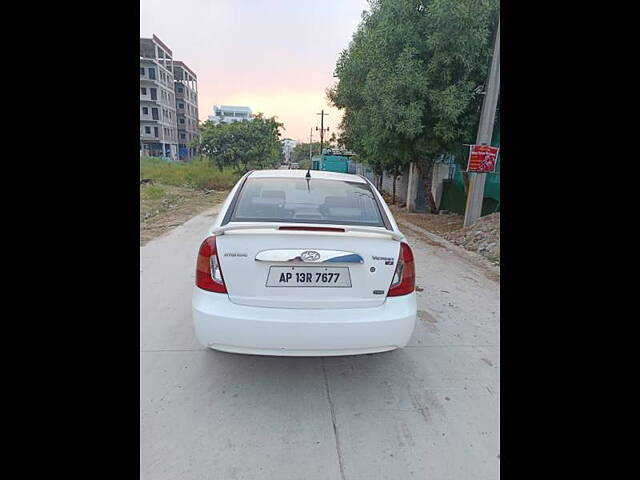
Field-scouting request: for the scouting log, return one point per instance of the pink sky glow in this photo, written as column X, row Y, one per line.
column 275, row 56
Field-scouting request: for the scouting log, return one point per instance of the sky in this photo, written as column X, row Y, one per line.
column 275, row 56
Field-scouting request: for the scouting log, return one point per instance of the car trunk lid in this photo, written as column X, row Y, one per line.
column 267, row 267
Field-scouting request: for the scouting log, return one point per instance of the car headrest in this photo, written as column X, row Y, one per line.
column 274, row 194
column 335, row 201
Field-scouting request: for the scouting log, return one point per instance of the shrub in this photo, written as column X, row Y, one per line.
column 198, row 174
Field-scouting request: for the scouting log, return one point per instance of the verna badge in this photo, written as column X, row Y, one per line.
column 309, row 256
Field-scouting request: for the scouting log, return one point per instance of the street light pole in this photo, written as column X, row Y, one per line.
column 485, row 130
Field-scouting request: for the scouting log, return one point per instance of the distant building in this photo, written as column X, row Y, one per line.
column 168, row 103
column 186, row 86
column 288, row 144
column 158, row 128
column 230, row 114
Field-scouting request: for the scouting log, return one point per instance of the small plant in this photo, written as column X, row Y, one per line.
column 154, row 192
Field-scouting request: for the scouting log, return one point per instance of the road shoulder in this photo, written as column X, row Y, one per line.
column 491, row 271
column 164, row 207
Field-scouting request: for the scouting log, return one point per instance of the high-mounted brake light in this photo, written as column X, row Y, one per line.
column 313, row 229
column 404, row 278
column 208, row 271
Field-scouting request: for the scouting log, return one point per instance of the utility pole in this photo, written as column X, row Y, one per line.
column 322, row 130
column 310, row 143
column 485, row 130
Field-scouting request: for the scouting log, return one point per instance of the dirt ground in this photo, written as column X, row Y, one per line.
column 434, row 223
column 482, row 238
column 163, row 207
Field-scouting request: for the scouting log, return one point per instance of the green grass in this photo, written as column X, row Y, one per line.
column 153, row 192
column 196, row 174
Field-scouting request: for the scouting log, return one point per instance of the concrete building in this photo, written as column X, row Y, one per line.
column 230, row 114
column 186, row 91
column 158, row 128
column 288, row 144
column 168, row 103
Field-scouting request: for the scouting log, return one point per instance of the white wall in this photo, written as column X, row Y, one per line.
column 440, row 173
column 401, row 185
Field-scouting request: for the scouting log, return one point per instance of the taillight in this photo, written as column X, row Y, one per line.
column 404, row 278
column 208, row 272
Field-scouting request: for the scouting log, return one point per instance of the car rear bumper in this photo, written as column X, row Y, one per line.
column 226, row 326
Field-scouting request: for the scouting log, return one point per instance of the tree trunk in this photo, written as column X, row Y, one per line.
column 426, row 172
column 393, row 197
column 465, row 182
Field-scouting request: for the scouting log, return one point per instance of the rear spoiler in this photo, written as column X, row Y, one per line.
column 275, row 226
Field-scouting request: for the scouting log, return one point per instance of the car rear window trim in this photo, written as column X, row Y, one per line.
column 232, row 207
column 307, row 221
column 234, row 201
column 383, row 213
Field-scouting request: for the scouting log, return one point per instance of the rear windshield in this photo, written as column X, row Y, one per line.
column 298, row 201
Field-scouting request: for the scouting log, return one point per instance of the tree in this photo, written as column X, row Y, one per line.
column 300, row 153
column 243, row 146
column 408, row 82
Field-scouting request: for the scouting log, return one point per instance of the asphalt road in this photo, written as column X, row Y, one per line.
column 428, row 411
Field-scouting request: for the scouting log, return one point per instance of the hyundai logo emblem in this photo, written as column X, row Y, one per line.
column 309, row 256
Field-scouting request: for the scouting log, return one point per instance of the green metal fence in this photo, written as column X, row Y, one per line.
column 331, row 163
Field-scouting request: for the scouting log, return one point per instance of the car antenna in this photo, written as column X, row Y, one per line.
column 308, row 177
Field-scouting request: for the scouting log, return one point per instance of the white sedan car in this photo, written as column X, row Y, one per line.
column 306, row 264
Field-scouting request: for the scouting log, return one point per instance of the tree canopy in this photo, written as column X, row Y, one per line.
column 300, row 153
column 410, row 81
column 242, row 145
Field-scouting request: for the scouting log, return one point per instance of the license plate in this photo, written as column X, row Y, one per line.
column 309, row 277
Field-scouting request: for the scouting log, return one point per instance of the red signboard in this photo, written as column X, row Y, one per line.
column 482, row 159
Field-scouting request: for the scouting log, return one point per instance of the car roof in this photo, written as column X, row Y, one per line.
column 344, row 177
